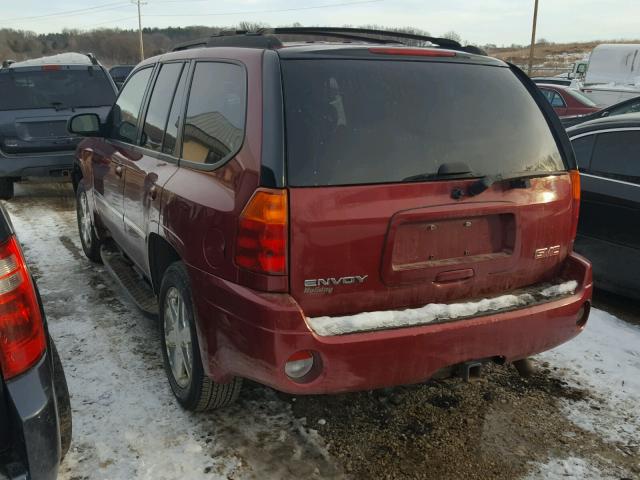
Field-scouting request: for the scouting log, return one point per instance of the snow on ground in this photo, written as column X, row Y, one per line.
column 126, row 423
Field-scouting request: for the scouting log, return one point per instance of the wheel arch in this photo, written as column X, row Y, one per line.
column 161, row 255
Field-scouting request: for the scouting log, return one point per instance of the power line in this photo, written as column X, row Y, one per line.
column 68, row 12
column 85, row 27
column 281, row 10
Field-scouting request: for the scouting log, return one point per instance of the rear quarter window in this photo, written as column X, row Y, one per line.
column 362, row 121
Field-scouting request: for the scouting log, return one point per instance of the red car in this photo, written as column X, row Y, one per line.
column 330, row 217
column 566, row 101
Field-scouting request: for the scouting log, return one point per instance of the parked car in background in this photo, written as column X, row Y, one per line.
column 37, row 97
column 628, row 106
column 552, row 80
column 567, row 101
column 119, row 73
column 608, row 154
column 326, row 260
column 35, row 413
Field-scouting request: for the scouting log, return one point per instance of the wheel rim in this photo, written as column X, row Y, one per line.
column 85, row 220
column 177, row 337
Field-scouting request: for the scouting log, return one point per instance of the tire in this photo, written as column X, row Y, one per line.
column 90, row 242
column 193, row 390
column 63, row 402
column 6, row 188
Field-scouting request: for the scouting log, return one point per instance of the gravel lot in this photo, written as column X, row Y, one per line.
column 577, row 417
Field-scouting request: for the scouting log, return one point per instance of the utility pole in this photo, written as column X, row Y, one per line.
column 139, row 3
column 533, row 37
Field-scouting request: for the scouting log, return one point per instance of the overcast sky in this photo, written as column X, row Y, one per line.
column 502, row 22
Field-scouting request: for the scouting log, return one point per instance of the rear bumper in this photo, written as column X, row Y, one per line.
column 251, row 335
column 35, row 445
column 36, row 164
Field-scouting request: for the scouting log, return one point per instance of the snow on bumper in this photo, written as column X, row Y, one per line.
column 435, row 313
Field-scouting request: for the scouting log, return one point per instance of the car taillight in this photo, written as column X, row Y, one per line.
column 575, row 210
column 261, row 244
column 22, row 338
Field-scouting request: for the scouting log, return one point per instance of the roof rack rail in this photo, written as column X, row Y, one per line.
column 364, row 34
column 267, row 38
column 92, row 57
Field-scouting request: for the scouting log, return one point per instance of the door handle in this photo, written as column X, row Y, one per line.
column 119, row 170
column 153, row 192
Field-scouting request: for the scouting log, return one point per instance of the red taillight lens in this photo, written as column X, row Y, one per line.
column 416, row 52
column 22, row 339
column 51, row 68
column 261, row 245
column 575, row 210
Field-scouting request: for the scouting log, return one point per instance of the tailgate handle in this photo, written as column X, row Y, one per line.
column 454, row 275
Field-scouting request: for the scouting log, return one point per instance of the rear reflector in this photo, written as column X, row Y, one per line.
column 22, row 338
column 416, row 52
column 575, row 211
column 261, row 245
column 299, row 364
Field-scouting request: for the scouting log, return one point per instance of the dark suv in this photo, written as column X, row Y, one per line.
column 35, row 413
column 325, row 217
column 37, row 98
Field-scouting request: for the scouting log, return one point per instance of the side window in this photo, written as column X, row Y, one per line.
column 633, row 107
column 617, row 155
column 126, row 111
column 557, row 100
column 159, row 105
column 171, row 134
column 214, row 124
column 583, row 147
column 547, row 94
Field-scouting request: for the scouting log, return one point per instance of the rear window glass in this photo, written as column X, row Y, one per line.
column 358, row 121
column 86, row 87
column 581, row 97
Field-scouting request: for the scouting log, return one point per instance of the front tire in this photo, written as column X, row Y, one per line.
column 6, row 188
column 183, row 365
column 90, row 242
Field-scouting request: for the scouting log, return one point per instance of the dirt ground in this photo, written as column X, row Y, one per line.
column 127, row 425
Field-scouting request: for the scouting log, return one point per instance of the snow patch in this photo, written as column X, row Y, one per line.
column 433, row 312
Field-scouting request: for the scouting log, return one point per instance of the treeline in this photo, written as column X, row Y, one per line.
column 114, row 46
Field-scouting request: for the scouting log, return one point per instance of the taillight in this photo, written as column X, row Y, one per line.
column 261, row 245
column 22, row 338
column 416, row 52
column 575, row 210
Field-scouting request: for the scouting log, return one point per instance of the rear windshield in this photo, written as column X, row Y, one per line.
column 361, row 121
column 86, row 87
column 581, row 97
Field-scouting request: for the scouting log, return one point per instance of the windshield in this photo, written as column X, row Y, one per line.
column 362, row 121
column 581, row 97
column 87, row 87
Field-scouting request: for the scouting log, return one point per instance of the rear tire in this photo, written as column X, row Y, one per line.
column 180, row 352
column 90, row 242
column 6, row 188
column 63, row 402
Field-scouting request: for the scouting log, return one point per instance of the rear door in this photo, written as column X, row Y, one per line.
column 158, row 160
column 109, row 156
column 370, row 229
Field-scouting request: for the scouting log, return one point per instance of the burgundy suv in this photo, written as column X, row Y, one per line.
column 325, row 217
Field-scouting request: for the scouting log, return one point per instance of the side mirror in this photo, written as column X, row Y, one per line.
column 84, row 124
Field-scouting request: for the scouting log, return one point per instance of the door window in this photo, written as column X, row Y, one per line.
column 171, row 134
column 214, row 124
column 631, row 107
column 583, row 147
column 617, row 155
column 126, row 111
column 159, row 106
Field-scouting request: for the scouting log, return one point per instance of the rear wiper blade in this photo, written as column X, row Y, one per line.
column 516, row 181
column 445, row 171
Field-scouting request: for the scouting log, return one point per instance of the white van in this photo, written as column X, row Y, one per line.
column 613, row 74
